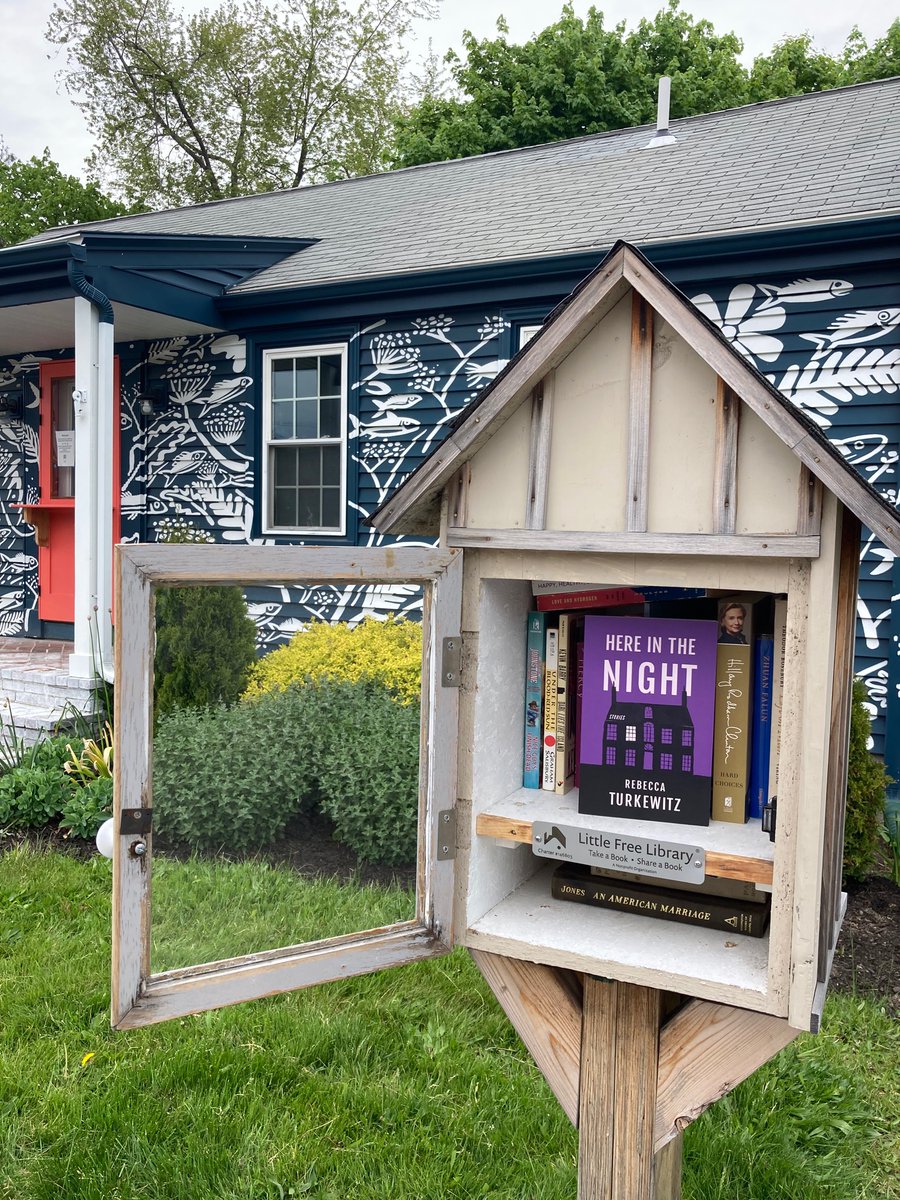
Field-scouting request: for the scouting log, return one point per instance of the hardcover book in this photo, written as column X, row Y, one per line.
column 734, row 709
column 647, row 725
column 762, row 727
column 534, row 697
column 777, row 690
column 711, row 912
column 573, row 596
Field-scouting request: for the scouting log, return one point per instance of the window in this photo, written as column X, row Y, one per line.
column 610, row 756
column 665, row 762
column 630, row 758
column 648, row 731
column 612, row 731
column 687, row 737
column 687, row 763
column 631, row 733
column 666, row 736
column 305, row 422
column 526, row 333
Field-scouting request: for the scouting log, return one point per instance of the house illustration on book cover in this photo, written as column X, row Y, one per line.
column 648, row 704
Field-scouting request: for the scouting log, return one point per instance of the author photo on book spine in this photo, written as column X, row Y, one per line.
column 731, row 624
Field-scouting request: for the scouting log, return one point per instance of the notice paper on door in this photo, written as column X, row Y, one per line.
column 65, row 447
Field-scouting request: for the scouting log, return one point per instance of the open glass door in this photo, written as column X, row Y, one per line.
column 193, row 931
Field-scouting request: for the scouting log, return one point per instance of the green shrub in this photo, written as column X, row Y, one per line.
column 867, row 783
column 30, row 797
column 232, row 777
column 365, row 760
column 205, row 643
column 88, row 807
column 387, row 651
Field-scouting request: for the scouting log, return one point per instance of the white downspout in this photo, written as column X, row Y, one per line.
column 82, row 661
column 106, row 434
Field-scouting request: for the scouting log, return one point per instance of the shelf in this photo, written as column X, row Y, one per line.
column 732, row 851
column 530, row 924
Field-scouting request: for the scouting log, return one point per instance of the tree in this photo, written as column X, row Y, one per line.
column 578, row 77
column 35, row 195
column 247, row 97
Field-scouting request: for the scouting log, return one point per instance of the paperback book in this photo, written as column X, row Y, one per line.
column 565, row 705
column 734, row 696
column 534, row 697
column 551, row 661
column 648, row 697
column 576, row 883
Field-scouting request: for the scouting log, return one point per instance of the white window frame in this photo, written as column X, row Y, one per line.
column 527, row 332
column 268, row 442
column 141, row 997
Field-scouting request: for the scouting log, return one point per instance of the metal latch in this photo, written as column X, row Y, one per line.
column 136, row 820
column 451, row 656
column 446, row 834
column 769, row 818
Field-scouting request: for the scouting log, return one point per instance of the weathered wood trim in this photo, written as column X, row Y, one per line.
column 458, row 496
column 539, row 454
column 839, row 739
column 597, row 1102
column 728, row 416
column 637, row 1049
column 705, row 1050
column 809, row 503
column 133, row 721
column 723, row 866
column 178, row 994
column 639, row 413
column 821, row 992
column 591, row 542
column 544, row 1005
column 553, row 344
column 173, row 565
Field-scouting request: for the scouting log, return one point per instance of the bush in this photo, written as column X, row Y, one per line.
column 365, row 761
column 867, row 783
column 88, row 807
column 389, row 652
column 205, row 643
column 231, row 778
column 30, row 797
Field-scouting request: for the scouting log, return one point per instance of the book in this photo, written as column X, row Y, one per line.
column 551, row 660
column 777, row 690
column 579, row 692
column 565, row 705
column 647, row 725
column 534, row 699
column 713, row 885
column 577, row 884
column 606, row 597
column 762, row 727
column 734, row 697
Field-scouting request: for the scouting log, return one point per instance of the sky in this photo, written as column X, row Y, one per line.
column 35, row 111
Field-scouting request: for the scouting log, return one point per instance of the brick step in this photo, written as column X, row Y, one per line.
column 27, row 686
column 28, row 723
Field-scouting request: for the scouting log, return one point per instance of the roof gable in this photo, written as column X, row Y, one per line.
column 414, row 506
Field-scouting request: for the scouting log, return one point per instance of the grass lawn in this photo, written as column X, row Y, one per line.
column 408, row 1085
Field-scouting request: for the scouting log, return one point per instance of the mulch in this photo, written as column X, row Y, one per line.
column 866, row 961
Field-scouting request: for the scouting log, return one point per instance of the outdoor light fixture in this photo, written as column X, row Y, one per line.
column 11, row 401
column 152, row 399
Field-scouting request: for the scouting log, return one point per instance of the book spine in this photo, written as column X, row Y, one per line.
column 534, row 697
column 777, row 690
column 591, row 598
column 712, row 885
column 548, row 780
column 565, row 737
column 688, row 908
column 762, row 728
column 731, row 747
column 579, row 695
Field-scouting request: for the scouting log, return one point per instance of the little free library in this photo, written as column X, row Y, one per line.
column 639, row 623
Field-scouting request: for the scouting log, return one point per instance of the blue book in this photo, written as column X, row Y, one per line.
column 761, row 736
column 534, row 698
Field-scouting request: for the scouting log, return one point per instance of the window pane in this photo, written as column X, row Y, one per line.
column 331, row 508
column 285, row 463
column 282, row 378
column 330, row 380
column 283, row 419
column 331, row 465
column 307, row 377
column 285, row 508
column 308, row 459
column 309, row 507
column 307, row 419
column 330, row 416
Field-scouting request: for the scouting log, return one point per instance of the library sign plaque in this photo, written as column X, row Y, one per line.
column 619, row 852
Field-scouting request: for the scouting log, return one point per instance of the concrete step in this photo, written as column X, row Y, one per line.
column 26, row 685
column 29, row 723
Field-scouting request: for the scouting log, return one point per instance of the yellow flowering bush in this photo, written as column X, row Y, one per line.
column 388, row 652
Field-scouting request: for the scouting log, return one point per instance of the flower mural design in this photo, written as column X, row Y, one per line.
column 748, row 328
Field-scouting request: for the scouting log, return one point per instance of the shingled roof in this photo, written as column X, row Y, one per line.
column 818, row 158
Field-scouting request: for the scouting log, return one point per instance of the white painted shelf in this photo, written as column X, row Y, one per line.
column 530, row 924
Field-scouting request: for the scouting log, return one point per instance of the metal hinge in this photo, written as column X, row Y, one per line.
column 136, row 820
column 770, row 818
column 451, row 656
column 446, row 834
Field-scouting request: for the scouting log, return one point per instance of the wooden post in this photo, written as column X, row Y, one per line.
column 617, row 1100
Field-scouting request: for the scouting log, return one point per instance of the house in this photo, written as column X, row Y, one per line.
column 270, row 369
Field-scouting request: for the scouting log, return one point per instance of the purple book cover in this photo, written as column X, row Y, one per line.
column 648, row 711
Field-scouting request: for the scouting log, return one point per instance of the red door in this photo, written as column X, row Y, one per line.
column 56, row 473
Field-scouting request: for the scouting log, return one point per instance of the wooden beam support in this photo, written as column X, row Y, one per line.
column 597, row 1096
column 544, row 1005
column 809, row 503
column 624, row 542
column 728, row 415
column 704, row 1051
column 539, row 454
column 458, row 495
column 639, row 413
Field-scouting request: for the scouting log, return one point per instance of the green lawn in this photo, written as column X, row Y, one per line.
column 409, row 1085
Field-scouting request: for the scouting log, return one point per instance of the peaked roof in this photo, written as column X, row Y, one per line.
column 414, row 505
column 821, row 157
